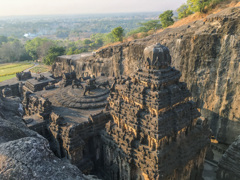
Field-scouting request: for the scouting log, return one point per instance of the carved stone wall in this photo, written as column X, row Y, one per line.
column 78, row 142
column 34, row 104
column 205, row 51
column 155, row 132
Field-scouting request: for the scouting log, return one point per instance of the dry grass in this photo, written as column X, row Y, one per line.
column 40, row 69
column 199, row 16
column 107, row 45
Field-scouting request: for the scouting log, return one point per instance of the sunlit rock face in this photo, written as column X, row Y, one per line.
column 205, row 51
column 155, row 131
column 31, row 158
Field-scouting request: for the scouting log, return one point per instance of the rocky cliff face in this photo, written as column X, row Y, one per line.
column 155, row 131
column 206, row 52
column 31, row 158
column 24, row 154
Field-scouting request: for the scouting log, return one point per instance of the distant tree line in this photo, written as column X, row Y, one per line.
column 12, row 49
column 69, row 27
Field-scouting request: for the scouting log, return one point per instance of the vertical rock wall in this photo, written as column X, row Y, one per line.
column 206, row 52
column 155, row 131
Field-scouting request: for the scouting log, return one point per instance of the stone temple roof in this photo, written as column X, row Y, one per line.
column 157, row 57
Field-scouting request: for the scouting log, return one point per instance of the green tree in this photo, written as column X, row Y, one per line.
column 183, row 11
column 198, row 5
column 70, row 51
column 166, row 18
column 145, row 27
column 12, row 51
column 87, row 42
column 109, row 38
column 98, row 36
column 52, row 54
column 42, row 50
column 38, row 47
column 62, row 33
column 151, row 25
column 118, row 33
column 3, row 39
column 99, row 42
column 79, row 51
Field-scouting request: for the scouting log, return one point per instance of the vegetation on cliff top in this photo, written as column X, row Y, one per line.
column 13, row 49
column 190, row 11
column 166, row 18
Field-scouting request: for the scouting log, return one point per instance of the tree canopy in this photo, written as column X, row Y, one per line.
column 183, row 11
column 118, row 33
column 12, row 51
column 3, row 39
column 166, row 18
column 38, row 47
column 198, row 5
column 52, row 54
column 151, row 25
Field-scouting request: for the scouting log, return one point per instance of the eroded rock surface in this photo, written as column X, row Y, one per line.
column 156, row 132
column 31, row 158
column 205, row 51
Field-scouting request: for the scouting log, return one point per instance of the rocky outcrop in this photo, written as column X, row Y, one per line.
column 156, row 132
column 24, row 154
column 205, row 51
column 31, row 158
column 229, row 164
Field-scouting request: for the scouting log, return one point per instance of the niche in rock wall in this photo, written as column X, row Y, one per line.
column 84, row 67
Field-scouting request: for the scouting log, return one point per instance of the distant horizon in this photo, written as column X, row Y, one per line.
column 13, row 8
column 103, row 13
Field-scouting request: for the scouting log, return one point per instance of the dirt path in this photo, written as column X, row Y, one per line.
column 35, row 64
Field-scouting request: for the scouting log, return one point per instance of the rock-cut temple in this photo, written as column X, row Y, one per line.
column 149, row 129
column 155, row 131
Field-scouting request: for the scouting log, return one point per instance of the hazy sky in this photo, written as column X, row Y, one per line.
column 40, row 7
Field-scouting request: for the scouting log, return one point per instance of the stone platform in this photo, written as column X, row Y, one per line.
column 74, row 124
column 73, row 98
column 34, row 85
column 14, row 82
column 75, row 116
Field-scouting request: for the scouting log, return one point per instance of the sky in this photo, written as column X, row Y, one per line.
column 48, row 7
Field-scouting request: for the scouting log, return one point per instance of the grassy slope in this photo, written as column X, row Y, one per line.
column 3, row 78
column 8, row 71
